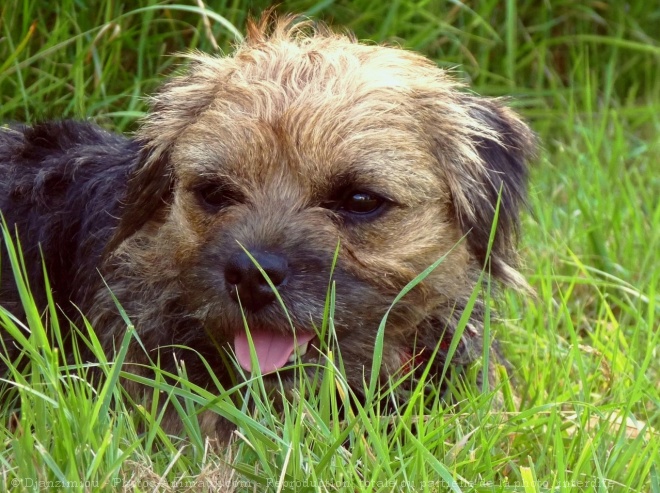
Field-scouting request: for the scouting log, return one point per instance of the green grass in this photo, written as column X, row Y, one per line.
column 587, row 77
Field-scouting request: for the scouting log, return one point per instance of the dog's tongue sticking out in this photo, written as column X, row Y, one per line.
column 273, row 349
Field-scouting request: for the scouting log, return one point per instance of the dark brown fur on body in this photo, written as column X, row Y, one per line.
column 295, row 144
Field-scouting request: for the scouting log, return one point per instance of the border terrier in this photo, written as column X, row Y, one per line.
column 321, row 157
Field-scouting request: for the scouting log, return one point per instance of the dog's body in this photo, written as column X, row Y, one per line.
column 293, row 147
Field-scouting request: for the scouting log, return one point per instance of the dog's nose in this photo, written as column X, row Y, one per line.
column 246, row 283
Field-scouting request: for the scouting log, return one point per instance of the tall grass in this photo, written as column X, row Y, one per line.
column 584, row 353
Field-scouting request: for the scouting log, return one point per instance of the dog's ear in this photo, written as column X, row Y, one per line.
column 504, row 149
column 149, row 190
column 486, row 164
column 177, row 104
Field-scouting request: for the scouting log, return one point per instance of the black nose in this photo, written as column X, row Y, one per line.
column 247, row 283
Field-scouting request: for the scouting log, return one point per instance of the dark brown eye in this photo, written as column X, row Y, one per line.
column 215, row 196
column 361, row 203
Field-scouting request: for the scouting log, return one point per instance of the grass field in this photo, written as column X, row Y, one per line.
column 586, row 75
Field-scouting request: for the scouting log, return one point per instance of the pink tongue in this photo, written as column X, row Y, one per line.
column 273, row 348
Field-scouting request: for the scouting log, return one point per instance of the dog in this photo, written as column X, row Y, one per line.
column 249, row 174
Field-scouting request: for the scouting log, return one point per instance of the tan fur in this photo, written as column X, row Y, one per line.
column 292, row 111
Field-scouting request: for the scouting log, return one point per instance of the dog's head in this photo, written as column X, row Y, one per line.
column 305, row 143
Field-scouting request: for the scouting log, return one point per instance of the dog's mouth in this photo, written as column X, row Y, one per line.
column 273, row 350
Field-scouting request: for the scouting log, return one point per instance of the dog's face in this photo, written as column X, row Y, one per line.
column 298, row 147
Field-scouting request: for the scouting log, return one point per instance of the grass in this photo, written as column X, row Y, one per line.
column 587, row 77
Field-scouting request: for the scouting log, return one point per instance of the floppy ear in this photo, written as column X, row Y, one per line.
column 149, row 189
column 177, row 104
column 494, row 147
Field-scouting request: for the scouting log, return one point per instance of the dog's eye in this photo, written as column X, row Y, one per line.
column 214, row 196
column 360, row 203
column 356, row 203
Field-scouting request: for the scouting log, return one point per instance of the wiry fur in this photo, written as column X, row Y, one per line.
column 283, row 127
